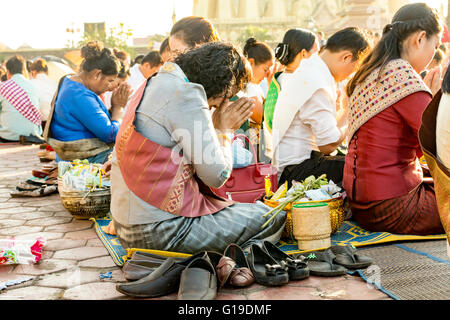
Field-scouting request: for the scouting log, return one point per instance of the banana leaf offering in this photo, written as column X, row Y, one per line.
column 311, row 189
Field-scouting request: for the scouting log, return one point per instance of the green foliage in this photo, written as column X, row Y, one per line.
column 116, row 38
column 156, row 38
column 260, row 34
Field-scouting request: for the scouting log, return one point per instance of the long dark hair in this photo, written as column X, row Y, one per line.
column 294, row 41
column 408, row 20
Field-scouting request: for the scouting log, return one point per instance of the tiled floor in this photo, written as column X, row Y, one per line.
column 74, row 257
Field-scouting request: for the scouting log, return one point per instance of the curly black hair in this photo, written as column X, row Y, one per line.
column 219, row 67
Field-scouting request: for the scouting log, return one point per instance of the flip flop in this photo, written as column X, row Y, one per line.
column 24, row 186
column 346, row 256
column 321, row 264
column 40, row 192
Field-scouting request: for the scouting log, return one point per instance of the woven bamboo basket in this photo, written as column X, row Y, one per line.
column 311, row 226
column 86, row 204
column 337, row 214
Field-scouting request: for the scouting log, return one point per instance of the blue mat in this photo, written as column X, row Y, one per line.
column 350, row 232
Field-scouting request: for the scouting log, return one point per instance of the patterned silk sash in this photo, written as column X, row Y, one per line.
column 19, row 99
column 380, row 91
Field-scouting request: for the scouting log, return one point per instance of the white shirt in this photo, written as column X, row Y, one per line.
column 136, row 78
column 283, row 79
column 314, row 124
column 254, row 90
column 45, row 88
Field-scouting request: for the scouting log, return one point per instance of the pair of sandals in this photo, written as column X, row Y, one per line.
column 335, row 261
column 273, row 267
column 34, row 187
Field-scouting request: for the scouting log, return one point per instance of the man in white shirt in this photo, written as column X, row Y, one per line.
column 307, row 127
column 150, row 64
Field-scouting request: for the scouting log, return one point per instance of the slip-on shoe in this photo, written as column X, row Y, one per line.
column 136, row 269
column 241, row 276
column 198, row 281
column 297, row 268
column 266, row 269
column 162, row 281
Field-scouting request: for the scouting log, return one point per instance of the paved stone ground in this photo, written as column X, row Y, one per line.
column 74, row 257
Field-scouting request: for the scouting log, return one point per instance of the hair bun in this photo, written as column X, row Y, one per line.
column 92, row 50
column 282, row 52
column 251, row 42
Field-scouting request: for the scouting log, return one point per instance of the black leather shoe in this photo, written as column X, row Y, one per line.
column 297, row 268
column 266, row 269
column 198, row 281
column 162, row 281
column 135, row 269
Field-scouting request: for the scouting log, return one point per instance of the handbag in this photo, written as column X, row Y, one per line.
column 247, row 185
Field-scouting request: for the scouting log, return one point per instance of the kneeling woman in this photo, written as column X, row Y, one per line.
column 382, row 175
column 80, row 125
column 168, row 152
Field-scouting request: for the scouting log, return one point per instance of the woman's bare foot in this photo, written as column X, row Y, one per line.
column 110, row 229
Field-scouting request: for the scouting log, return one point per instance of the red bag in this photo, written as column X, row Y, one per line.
column 247, row 185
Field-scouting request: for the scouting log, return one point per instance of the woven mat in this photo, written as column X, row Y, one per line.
column 410, row 270
column 349, row 233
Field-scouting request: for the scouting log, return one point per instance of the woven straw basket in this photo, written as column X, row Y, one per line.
column 337, row 215
column 85, row 204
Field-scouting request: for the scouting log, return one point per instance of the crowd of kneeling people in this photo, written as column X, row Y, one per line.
column 350, row 109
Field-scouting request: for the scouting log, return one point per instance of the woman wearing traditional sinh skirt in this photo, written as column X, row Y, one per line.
column 382, row 176
column 434, row 137
column 168, row 151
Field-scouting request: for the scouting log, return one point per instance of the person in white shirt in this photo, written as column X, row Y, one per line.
column 307, row 127
column 150, row 65
column 45, row 86
column 139, row 73
column 298, row 44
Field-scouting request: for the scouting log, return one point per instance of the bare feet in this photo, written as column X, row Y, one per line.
column 110, row 229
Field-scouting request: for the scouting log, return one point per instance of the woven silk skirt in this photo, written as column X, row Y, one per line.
column 415, row 213
column 240, row 224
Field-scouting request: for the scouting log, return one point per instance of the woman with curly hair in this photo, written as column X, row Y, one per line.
column 170, row 148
